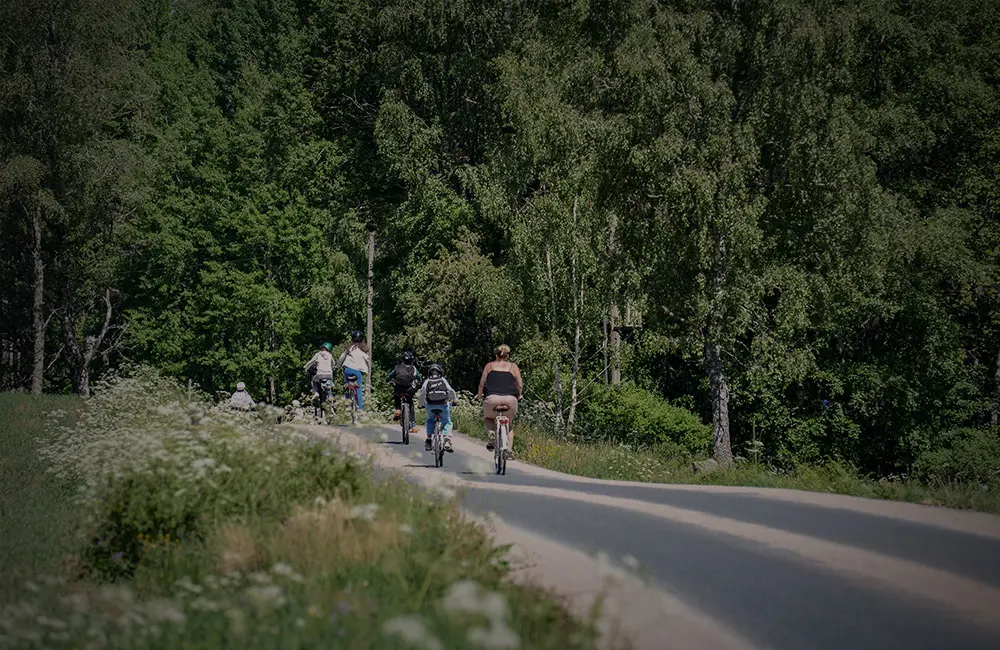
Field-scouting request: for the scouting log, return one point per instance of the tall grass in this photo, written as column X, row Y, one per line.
column 534, row 444
column 35, row 510
column 205, row 529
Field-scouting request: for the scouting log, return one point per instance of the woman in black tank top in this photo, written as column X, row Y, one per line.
column 500, row 385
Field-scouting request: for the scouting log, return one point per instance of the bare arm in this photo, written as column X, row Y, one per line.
column 517, row 378
column 482, row 380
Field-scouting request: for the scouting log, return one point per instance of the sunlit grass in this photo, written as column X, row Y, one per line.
column 198, row 528
column 607, row 461
column 34, row 507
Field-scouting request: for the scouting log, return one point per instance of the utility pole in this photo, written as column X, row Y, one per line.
column 368, row 333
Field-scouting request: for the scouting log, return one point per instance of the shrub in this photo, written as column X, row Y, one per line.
column 635, row 417
column 965, row 456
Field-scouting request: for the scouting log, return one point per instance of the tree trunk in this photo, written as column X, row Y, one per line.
column 80, row 358
column 995, row 416
column 616, row 348
column 574, row 396
column 723, row 452
column 38, row 308
column 604, row 344
column 577, row 327
column 552, row 328
column 371, row 293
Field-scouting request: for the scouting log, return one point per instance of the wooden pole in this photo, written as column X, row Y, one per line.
column 368, row 333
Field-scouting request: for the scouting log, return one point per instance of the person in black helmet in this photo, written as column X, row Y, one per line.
column 404, row 379
column 356, row 363
column 437, row 396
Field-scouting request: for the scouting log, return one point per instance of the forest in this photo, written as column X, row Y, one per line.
column 781, row 216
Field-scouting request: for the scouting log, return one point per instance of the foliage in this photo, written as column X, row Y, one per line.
column 965, row 457
column 214, row 528
column 794, row 205
column 639, row 419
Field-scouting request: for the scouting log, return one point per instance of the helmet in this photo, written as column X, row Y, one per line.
column 357, row 336
column 328, row 346
column 240, row 386
column 435, row 369
column 408, row 357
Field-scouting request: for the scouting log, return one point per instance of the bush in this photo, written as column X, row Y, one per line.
column 635, row 417
column 209, row 529
column 965, row 456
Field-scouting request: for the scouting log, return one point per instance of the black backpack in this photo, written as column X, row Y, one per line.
column 404, row 376
column 437, row 391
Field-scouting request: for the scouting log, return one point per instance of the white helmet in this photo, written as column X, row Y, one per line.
column 241, row 386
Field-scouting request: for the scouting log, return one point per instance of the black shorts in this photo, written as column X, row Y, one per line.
column 398, row 394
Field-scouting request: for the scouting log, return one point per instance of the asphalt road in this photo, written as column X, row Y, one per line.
column 781, row 574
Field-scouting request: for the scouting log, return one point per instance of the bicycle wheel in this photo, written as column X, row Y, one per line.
column 437, row 448
column 501, row 448
column 406, row 423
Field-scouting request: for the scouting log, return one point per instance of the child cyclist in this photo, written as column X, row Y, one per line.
column 437, row 396
column 404, row 379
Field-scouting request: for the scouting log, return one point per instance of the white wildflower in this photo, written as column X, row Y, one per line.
column 498, row 636
column 383, row 436
column 406, row 529
column 412, row 630
column 286, row 571
column 202, row 604
column 165, row 611
column 260, row 578
column 186, row 584
column 365, row 512
column 267, row 597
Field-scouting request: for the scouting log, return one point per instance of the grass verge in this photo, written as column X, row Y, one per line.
column 35, row 507
column 606, row 461
column 198, row 528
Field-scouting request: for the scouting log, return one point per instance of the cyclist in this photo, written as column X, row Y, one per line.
column 404, row 379
column 320, row 367
column 356, row 364
column 501, row 384
column 437, row 396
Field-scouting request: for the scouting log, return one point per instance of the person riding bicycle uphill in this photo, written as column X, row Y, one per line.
column 502, row 385
column 356, row 364
column 437, row 396
column 322, row 361
column 404, row 379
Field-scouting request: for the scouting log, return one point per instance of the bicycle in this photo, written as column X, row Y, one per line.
column 405, row 418
column 437, row 441
column 323, row 403
column 353, row 396
column 502, row 443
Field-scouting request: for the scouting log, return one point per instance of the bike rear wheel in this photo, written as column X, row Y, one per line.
column 438, row 448
column 406, row 423
column 499, row 447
